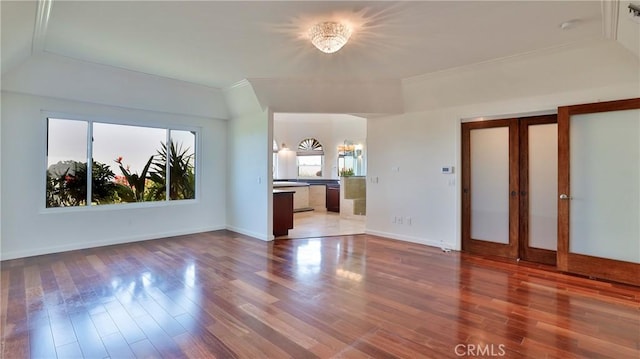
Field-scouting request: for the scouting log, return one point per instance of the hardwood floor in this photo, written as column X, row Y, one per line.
column 225, row 295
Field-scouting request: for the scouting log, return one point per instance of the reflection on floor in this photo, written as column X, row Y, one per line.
column 321, row 224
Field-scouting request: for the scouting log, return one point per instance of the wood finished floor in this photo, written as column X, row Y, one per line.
column 220, row 294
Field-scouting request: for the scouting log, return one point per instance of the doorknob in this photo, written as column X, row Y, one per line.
column 565, row 197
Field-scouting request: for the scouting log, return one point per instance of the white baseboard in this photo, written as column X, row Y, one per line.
column 257, row 235
column 85, row 245
column 412, row 239
column 121, row 240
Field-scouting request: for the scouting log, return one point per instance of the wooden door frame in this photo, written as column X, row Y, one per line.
column 525, row 251
column 611, row 269
column 485, row 247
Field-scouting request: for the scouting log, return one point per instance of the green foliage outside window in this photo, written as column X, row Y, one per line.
column 67, row 184
column 67, row 180
column 181, row 173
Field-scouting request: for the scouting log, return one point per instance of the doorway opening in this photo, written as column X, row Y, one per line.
column 322, row 158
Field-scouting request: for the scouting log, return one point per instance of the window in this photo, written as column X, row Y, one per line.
column 310, row 158
column 182, row 156
column 128, row 163
column 309, row 166
column 67, row 163
column 350, row 161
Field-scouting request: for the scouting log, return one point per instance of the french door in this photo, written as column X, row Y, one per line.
column 599, row 190
column 509, row 188
column 538, row 236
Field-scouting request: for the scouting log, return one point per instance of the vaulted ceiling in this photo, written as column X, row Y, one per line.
column 219, row 43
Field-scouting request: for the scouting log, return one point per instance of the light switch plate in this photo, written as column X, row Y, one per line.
column 446, row 170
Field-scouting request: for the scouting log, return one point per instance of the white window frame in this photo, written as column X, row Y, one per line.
column 90, row 120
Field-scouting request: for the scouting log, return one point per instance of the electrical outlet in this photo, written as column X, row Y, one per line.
column 408, row 220
column 399, row 220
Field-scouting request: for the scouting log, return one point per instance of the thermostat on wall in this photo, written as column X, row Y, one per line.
column 447, row 170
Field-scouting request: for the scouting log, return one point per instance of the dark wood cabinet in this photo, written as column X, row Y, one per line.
column 282, row 212
column 333, row 199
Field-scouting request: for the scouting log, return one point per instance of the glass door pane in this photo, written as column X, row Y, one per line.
column 605, row 185
column 543, row 186
column 490, row 184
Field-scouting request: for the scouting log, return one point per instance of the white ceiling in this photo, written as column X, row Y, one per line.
column 217, row 44
column 315, row 117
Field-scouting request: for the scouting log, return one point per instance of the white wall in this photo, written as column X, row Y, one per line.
column 29, row 229
column 405, row 152
column 1, row 121
column 330, row 129
column 427, row 137
column 628, row 29
column 46, row 82
column 248, row 176
column 249, row 186
column 61, row 77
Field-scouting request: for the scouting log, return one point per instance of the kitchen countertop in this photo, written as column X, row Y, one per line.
column 290, row 184
column 276, row 191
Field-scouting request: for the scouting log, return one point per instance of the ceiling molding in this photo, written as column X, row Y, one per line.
column 501, row 60
column 610, row 18
column 43, row 13
column 520, row 115
column 239, row 84
column 240, row 99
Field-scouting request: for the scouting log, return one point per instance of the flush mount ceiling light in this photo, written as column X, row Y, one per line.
column 329, row 36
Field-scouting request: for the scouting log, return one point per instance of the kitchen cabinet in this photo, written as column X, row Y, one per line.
column 282, row 212
column 333, row 199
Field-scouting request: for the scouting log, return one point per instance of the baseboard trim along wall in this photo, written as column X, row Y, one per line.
column 85, row 245
column 419, row 240
column 260, row 236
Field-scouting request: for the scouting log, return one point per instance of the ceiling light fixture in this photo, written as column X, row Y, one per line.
column 329, row 36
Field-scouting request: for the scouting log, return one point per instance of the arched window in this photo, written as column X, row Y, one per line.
column 310, row 158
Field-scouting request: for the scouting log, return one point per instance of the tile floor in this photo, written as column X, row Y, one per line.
column 321, row 224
